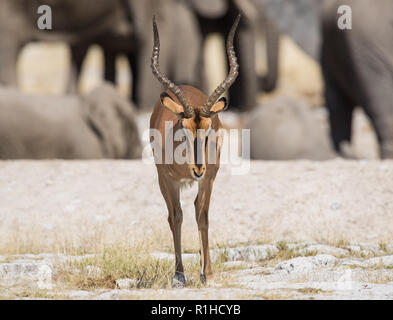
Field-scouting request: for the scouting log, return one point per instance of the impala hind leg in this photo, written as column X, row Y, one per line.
column 171, row 193
column 202, row 202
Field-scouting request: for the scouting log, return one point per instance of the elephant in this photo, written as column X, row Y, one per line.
column 216, row 16
column 76, row 23
column 288, row 129
column 357, row 67
column 299, row 19
column 180, row 49
column 119, row 26
column 100, row 125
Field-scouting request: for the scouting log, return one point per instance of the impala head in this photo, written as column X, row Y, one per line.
column 197, row 119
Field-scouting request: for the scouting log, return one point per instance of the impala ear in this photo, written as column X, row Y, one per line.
column 167, row 102
column 220, row 105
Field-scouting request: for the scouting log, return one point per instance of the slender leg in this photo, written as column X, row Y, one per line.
column 202, row 202
column 171, row 192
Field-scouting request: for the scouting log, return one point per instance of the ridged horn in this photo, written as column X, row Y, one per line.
column 155, row 66
column 232, row 75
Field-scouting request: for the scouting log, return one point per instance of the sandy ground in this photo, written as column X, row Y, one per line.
column 75, row 203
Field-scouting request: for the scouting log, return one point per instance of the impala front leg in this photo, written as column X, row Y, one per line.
column 202, row 203
column 171, row 191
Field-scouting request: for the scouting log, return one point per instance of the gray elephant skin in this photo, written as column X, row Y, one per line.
column 100, row 125
column 288, row 129
column 119, row 26
column 299, row 19
column 217, row 16
column 357, row 67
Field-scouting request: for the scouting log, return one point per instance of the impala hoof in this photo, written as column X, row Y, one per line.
column 179, row 281
column 205, row 278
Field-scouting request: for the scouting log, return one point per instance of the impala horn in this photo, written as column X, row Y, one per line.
column 231, row 77
column 155, row 66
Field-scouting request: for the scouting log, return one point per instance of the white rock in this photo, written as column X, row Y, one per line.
column 351, row 262
column 306, row 264
column 292, row 245
column 36, row 274
column 249, row 253
column 77, row 294
column 371, row 248
column 324, row 249
column 192, row 257
column 109, row 295
column 126, row 283
column 237, row 264
column 385, row 261
column 354, row 249
column 389, row 247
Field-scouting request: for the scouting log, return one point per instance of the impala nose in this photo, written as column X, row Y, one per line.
column 198, row 172
column 198, row 175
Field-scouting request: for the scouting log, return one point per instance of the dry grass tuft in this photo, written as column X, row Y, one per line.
column 35, row 294
column 126, row 262
column 312, row 291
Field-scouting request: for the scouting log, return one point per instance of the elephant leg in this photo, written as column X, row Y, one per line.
column 385, row 137
column 110, row 66
column 132, row 60
column 379, row 107
column 269, row 81
column 340, row 115
column 9, row 53
column 244, row 91
column 145, row 87
column 201, row 77
column 185, row 62
column 78, row 54
column 375, row 77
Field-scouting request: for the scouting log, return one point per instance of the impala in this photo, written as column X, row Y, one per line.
column 187, row 109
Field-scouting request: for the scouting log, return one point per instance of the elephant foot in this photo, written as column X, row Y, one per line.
column 178, row 281
column 387, row 150
column 347, row 150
